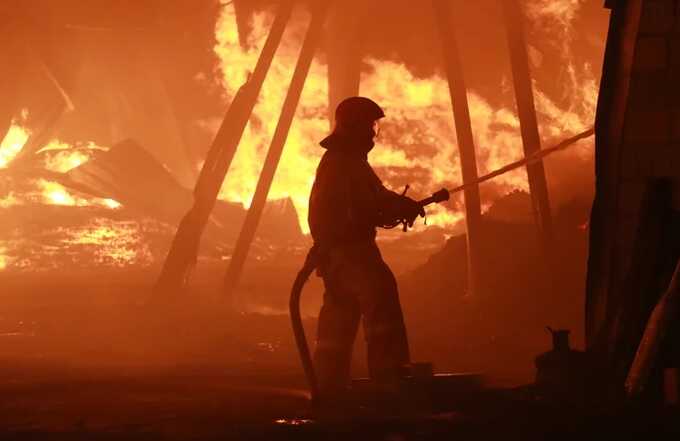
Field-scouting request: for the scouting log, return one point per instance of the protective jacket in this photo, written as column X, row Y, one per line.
column 348, row 200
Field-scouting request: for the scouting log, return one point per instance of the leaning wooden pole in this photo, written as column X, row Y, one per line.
column 466, row 144
column 184, row 248
column 524, row 96
column 344, row 52
column 245, row 239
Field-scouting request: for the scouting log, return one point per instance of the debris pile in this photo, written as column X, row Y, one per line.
column 112, row 207
column 499, row 327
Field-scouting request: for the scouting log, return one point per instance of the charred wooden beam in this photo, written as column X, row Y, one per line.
column 344, row 49
column 242, row 11
column 524, row 97
column 184, row 249
column 466, row 144
column 309, row 47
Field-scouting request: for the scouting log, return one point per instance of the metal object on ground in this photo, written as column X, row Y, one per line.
column 561, row 372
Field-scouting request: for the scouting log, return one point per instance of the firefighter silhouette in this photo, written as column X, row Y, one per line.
column 347, row 203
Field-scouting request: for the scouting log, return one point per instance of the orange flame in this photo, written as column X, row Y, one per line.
column 9, row 201
column 62, row 157
column 296, row 169
column 4, row 258
column 418, row 114
column 53, row 193
column 59, row 157
column 13, row 143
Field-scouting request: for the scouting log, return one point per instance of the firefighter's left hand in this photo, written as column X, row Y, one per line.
column 410, row 210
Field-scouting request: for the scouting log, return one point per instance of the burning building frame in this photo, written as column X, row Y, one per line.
column 116, row 132
column 168, row 146
column 247, row 43
column 166, row 151
column 344, row 65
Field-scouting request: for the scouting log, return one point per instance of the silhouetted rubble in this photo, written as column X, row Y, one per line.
column 499, row 328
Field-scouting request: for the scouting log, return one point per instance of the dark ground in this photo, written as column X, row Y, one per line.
column 83, row 357
column 98, row 365
column 190, row 402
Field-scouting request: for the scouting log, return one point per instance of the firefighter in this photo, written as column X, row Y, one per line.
column 347, row 203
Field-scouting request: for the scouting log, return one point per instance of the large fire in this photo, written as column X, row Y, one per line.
column 418, row 133
column 417, row 142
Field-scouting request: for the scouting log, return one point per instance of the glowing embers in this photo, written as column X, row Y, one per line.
column 83, row 241
column 293, row 421
column 114, row 243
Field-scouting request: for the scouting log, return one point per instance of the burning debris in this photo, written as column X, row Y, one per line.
column 418, row 141
column 87, row 205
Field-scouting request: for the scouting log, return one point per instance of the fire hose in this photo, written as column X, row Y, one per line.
column 295, row 293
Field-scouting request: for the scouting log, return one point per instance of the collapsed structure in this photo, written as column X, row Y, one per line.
column 344, row 71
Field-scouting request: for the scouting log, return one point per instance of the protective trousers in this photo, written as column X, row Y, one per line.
column 359, row 284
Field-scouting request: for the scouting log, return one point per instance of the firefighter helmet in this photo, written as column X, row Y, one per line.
column 357, row 109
